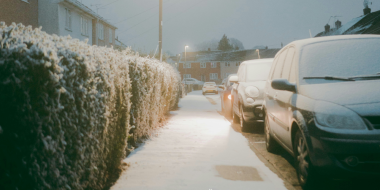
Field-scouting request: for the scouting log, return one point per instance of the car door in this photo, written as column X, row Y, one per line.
column 272, row 106
column 283, row 103
column 241, row 78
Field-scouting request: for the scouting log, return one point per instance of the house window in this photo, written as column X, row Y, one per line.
column 110, row 35
column 213, row 65
column 187, row 65
column 203, row 65
column 84, row 23
column 101, row 31
column 68, row 19
column 228, row 64
column 203, row 78
column 213, row 76
column 186, row 76
column 237, row 64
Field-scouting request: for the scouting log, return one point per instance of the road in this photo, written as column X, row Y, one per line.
column 200, row 149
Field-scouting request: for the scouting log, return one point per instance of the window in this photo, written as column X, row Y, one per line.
column 187, row 65
column 84, row 24
column 203, row 78
column 67, row 19
column 213, row 76
column 228, row 64
column 100, row 31
column 288, row 63
column 213, row 65
column 203, row 65
column 186, row 76
column 237, row 64
column 279, row 65
column 110, row 35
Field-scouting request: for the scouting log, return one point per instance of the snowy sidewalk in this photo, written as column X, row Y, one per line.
column 197, row 150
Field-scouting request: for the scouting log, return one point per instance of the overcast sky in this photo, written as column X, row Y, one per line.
column 254, row 22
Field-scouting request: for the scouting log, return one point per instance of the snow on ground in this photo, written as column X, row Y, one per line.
column 197, row 149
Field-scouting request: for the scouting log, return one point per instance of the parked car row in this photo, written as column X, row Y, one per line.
column 319, row 99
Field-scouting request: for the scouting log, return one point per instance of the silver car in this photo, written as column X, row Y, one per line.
column 248, row 91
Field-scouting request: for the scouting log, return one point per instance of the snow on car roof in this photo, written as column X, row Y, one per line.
column 258, row 61
column 301, row 43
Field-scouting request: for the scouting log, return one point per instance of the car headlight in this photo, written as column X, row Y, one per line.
column 337, row 117
column 252, row 92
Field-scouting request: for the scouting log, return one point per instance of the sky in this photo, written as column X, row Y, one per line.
column 253, row 22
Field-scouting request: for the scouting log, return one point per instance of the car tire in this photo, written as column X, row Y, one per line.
column 270, row 143
column 243, row 124
column 305, row 172
column 235, row 117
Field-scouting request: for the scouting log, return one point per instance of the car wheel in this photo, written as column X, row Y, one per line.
column 243, row 123
column 270, row 143
column 235, row 117
column 305, row 173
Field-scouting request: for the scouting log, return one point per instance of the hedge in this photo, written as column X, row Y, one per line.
column 67, row 108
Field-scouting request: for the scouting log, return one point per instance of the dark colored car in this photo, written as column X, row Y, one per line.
column 322, row 105
column 225, row 95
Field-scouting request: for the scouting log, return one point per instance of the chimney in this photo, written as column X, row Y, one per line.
column 327, row 28
column 367, row 10
column 338, row 24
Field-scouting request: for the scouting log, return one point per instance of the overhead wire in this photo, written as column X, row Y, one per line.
column 136, row 37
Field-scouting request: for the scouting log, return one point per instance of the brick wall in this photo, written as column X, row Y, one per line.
column 196, row 71
column 19, row 11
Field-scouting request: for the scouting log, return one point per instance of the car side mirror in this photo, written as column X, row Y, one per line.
column 234, row 79
column 283, row 84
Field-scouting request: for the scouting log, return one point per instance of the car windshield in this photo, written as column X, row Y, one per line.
column 210, row 84
column 339, row 59
column 258, row 71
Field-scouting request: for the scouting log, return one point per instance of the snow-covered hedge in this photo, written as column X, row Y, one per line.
column 65, row 108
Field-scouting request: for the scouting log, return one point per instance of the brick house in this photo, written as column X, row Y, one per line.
column 20, row 11
column 215, row 65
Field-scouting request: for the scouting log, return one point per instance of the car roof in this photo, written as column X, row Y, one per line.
column 255, row 61
column 301, row 43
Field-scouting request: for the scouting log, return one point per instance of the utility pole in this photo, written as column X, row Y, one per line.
column 160, row 32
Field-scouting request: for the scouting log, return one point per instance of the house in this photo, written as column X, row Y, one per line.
column 369, row 23
column 71, row 17
column 19, row 11
column 217, row 65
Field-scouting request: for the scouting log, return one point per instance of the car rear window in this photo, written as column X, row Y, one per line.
column 210, row 84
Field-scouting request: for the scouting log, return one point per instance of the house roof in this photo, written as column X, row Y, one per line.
column 84, row 8
column 242, row 55
column 366, row 24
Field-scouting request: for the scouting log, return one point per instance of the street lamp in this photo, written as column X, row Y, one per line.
column 185, row 64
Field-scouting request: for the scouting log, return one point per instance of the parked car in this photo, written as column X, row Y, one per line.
column 192, row 81
column 248, row 93
column 225, row 95
column 322, row 105
column 209, row 87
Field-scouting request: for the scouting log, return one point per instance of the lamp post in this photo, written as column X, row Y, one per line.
column 185, row 63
